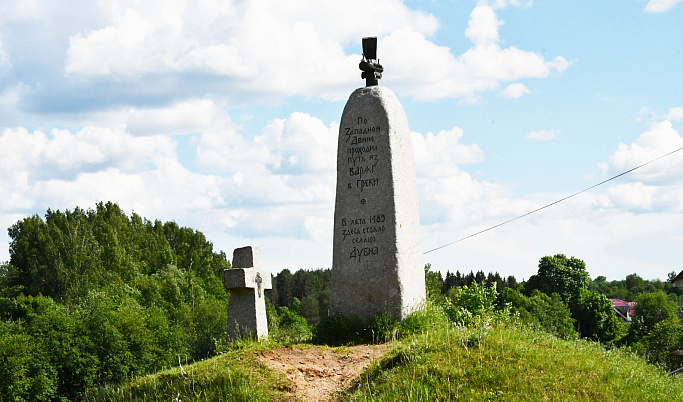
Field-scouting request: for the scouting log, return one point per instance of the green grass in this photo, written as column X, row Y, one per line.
column 433, row 360
column 234, row 375
column 510, row 363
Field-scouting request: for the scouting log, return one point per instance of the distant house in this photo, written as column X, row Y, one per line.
column 678, row 280
column 623, row 309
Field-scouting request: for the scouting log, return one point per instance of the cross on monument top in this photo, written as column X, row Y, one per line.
column 372, row 70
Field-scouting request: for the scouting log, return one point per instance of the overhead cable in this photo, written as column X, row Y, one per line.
column 555, row 202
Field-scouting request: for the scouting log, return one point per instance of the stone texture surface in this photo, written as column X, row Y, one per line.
column 247, row 283
column 377, row 263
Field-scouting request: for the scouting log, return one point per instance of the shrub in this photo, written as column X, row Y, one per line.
column 291, row 327
column 468, row 305
column 548, row 313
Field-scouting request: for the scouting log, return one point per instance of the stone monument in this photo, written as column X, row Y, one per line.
column 377, row 263
column 247, row 282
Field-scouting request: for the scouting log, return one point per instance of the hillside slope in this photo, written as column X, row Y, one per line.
column 444, row 362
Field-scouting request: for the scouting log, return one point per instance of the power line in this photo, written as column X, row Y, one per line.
column 555, row 202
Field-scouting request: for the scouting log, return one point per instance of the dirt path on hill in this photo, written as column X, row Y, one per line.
column 318, row 372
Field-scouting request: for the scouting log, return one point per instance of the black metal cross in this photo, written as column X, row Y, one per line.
column 372, row 70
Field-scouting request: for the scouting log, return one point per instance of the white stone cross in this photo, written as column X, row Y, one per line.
column 247, row 307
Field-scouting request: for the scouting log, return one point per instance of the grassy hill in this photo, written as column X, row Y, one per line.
column 437, row 360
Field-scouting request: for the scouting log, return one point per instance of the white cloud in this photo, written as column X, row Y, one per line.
column 515, row 91
column 278, row 184
column 300, row 144
column 4, row 60
column 482, row 28
column 656, row 187
column 450, row 197
column 542, row 135
column 9, row 104
column 658, row 141
column 297, row 48
column 675, row 113
column 288, row 48
column 182, row 118
column 660, row 6
column 496, row 4
column 63, row 152
column 439, row 155
column 482, row 67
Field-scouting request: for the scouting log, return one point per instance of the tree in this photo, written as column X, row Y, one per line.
column 650, row 309
column 559, row 274
column 433, row 281
column 635, row 283
column 93, row 297
column 284, row 281
column 593, row 312
column 595, row 317
column 664, row 338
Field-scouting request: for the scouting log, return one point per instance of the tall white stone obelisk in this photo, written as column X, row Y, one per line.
column 377, row 264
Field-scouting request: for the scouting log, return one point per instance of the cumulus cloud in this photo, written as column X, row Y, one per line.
column 655, row 187
column 9, row 104
column 63, row 152
column 675, row 113
column 439, row 155
column 450, row 196
column 483, row 67
column 661, row 139
column 299, row 48
column 285, row 48
column 660, row 6
column 31, row 163
column 186, row 117
column 542, row 135
column 482, row 28
column 277, row 184
column 515, row 91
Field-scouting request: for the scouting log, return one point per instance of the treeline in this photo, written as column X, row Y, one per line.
column 91, row 297
column 560, row 299
column 95, row 297
column 307, row 292
column 630, row 288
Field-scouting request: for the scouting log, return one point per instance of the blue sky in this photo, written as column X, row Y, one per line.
column 223, row 116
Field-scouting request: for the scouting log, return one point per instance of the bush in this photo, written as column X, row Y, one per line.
column 291, row 328
column 550, row 314
column 25, row 371
column 595, row 317
column 664, row 338
column 467, row 305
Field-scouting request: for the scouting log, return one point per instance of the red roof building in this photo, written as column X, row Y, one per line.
column 623, row 309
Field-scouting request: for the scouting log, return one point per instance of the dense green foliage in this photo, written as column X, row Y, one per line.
column 628, row 289
column 91, row 299
column 95, row 297
column 435, row 358
column 592, row 312
column 540, row 311
column 311, row 289
column 559, row 274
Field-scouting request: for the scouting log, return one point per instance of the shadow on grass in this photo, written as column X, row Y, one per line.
column 347, row 331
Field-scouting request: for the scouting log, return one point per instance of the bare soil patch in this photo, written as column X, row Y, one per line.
column 318, row 372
